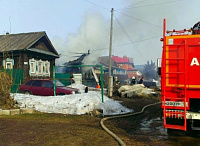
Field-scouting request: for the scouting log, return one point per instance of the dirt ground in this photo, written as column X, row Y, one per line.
column 137, row 129
column 147, row 128
column 59, row 129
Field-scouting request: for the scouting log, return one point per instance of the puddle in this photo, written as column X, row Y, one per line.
column 145, row 125
column 153, row 125
column 154, row 128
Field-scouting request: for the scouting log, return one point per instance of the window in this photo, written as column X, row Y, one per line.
column 58, row 83
column 40, row 67
column 37, row 83
column 47, row 84
column 33, row 69
column 8, row 63
column 47, row 68
column 29, row 82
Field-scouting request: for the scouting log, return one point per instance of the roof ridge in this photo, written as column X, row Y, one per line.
column 24, row 33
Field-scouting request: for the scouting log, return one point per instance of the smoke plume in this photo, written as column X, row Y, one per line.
column 136, row 32
column 93, row 35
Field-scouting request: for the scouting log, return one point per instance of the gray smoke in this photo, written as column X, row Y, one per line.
column 93, row 34
column 141, row 24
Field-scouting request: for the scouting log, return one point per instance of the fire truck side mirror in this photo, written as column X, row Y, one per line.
column 159, row 66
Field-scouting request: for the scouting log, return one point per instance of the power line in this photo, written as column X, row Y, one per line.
column 128, row 43
column 140, row 20
column 97, row 5
column 115, row 46
column 125, row 32
column 149, row 5
column 132, row 5
column 138, row 41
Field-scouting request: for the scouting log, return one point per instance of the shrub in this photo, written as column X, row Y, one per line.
column 6, row 101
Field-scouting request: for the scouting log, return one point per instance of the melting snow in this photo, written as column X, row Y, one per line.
column 76, row 104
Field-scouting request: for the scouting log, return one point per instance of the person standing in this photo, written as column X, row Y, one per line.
column 141, row 81
column 133, row 80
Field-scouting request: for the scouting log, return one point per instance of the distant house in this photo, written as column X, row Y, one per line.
column 115, row 70
column 125, row 63
column 32, row 52
column 120, row 73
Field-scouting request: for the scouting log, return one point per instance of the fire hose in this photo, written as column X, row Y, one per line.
column 121, row 143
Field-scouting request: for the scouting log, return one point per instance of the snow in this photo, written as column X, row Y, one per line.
column 75, row 104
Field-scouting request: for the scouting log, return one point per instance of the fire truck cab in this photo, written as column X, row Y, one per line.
column 180, row 79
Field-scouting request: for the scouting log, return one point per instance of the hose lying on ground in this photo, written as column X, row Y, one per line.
column 122, row 116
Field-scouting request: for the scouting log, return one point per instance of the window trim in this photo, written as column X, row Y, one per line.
column 11, row 65
column 8, row 61
column 32, row 65
column 40, row 67
column 47, row 68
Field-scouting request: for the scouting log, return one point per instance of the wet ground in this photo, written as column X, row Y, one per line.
column 147, row 128
column 154, row 127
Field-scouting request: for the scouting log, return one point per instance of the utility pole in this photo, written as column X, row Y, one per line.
column 110, row 78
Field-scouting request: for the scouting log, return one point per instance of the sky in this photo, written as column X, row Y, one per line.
column 76, row 26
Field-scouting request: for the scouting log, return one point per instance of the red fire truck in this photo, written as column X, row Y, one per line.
column 180, row 78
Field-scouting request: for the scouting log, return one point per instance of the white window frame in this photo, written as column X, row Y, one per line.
column 40, row 67
column 7, row 65
column 47, row 68
column 7, row 62
column 32, row 65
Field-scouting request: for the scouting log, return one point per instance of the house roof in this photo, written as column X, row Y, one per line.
column 42, row 52
column 78, row 61
column 104, row 60
column 23, row 41
column 121, row 60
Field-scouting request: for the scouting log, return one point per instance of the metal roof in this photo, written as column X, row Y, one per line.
column 121, row 60
column 104, row 60
column 22, row 41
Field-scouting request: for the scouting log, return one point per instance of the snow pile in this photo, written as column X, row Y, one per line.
column 131, row 90
column 78, row 86
column 72, row 104
column 82, row 88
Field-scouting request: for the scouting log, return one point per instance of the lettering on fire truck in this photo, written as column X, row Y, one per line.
column 194, row 62
column 174, row 103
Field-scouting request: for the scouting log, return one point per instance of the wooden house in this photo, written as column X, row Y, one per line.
column 32, row 52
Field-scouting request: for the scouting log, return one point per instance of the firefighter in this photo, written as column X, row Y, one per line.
column 133, row 80
column 86, row 89
column 116, row 80
column 72, row 79
column 141, row 81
